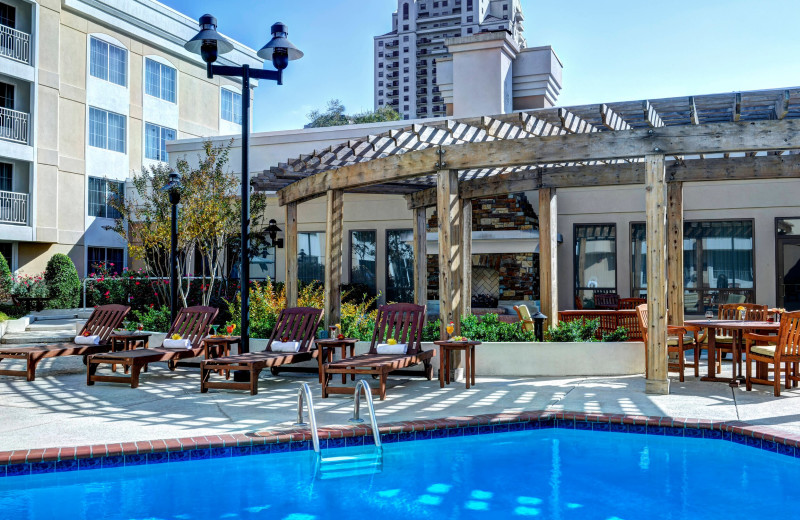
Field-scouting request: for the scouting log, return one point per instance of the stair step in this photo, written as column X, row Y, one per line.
column 55, row 325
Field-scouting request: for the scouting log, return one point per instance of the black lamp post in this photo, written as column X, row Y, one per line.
column 538, row 325
column 209, row 44
column 173, row 187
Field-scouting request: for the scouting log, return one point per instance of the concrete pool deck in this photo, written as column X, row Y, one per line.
column 58, row 409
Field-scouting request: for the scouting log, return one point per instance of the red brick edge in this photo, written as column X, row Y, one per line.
column 286, row 435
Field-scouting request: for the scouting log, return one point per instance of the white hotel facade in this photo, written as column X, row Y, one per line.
column 91, row 91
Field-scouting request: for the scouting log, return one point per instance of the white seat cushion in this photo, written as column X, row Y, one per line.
column 672, row 341
column 385, row 348
column 764, row 350
column 285, row 346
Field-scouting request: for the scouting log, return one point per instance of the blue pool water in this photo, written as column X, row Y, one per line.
column 554, row 474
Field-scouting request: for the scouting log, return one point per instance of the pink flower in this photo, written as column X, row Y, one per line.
column 137, row 283
column 107, row 293
column 112, row 265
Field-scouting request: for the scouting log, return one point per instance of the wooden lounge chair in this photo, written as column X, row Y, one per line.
column 608, row 301
column 769, row 350
column 401, row 321
column 192, row 323
column 296, row 324
column 525, row 319
column 102, row 322
column 679, row 340
column 631, row 303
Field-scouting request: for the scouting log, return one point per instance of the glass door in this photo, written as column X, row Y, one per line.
column 788, row 270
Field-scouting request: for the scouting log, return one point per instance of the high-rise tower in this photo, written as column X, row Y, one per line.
column 405, row 58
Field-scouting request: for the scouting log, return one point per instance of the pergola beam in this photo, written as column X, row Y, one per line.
column 736, row 168
column 672, row 140
column 657, row 381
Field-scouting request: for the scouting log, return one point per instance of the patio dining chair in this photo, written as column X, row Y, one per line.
column 679, row 340
column 768, row 351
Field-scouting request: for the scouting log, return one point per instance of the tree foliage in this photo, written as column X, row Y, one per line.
column 334, row 115
column 63, row 283
column 209, row 221
column 6, row 280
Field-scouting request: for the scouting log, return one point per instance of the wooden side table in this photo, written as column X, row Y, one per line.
column 326, row 348
column 128, row 341
column 448, row 347
column 221, row 346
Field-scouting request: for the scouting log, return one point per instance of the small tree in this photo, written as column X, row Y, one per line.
column 6, row 280
column 63, row 283
column 334, row 116
column 209, row 219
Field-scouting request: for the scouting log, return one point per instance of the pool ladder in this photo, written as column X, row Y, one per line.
column 361, row 385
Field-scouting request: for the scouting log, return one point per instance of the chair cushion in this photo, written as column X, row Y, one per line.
column 672, row 341
column 719, row 339
column 764, row 350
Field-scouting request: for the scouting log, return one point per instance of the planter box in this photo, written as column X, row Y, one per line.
column 558, row 359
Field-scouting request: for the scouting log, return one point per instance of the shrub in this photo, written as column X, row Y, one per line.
column 357, row 320
column 12, row 312
column 573, row 331
column 266, row 302
column 490, row 328
column 153, row 319
column 431, row 331
column 3, row 317
column 6, row 280
column 620, row 334
column 29, row 286
column 63, row 283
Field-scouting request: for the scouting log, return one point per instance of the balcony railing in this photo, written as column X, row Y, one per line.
column 14, row 125
column 13, row 207
column 15, row 44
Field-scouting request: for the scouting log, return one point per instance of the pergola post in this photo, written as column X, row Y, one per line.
column 675, row 252
column 656, row 208
column 466, row 257
column 290, row 280
column 333, row 257
column 420, row 257
column 548, row 263
column 448, row 207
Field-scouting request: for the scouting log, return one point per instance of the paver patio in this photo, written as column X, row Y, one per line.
column 58, row 409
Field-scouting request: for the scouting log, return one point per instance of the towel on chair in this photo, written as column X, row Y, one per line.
column 177, row 343
column 385, row 348
column 87, row 340
column 285, row 346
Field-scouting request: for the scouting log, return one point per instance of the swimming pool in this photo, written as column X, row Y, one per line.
column 547, row 473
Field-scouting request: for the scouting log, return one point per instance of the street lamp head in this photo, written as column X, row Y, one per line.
column 280, row 50
column 273, row 229
column 173, row 188
column 208, row 42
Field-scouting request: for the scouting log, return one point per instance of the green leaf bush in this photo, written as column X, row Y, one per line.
column 62, row 281
column 6, row 280
column 582, row 331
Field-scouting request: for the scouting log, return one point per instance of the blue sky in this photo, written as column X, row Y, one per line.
column 612, row 51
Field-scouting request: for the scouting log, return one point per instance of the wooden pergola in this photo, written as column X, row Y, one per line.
column 447, row 163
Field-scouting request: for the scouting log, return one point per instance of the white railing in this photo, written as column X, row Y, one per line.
column 15, row 44
column 14, row 125
column 13, row 207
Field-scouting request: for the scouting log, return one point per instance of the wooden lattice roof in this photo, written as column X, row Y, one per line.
column 763, row 105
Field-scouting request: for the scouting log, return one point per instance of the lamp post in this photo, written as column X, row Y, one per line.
column 210, row 44
column 538, row 325
column 173, row 187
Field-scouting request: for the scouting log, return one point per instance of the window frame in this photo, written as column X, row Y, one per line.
column 752, row 222
column 575, row 288
column 162, row 142
column 91, row 270
column 322, row 255
column 106, row 194
column 234, row 113
column 161, row 80
column 350, row 254
column 387, row 263
column 106, row 128
column 109, row 45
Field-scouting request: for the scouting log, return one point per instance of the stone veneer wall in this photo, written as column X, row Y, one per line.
column 519, row 272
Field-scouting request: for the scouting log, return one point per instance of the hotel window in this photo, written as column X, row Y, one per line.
column 106, row 130
column 6, row 179
column 469, row 5
column 362, row 259
column 108, row 62
column 311, row 257
column 100, row 192
column 8, row 17
column 159, row 80
column 718, row 263
column 405, row 11
column 595, row 261
column 110, row 258
column 155, row 141
column 399, row 265
column 231, row 106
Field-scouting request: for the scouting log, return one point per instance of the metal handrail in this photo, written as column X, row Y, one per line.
column 14, row 125
column 15, row 44
column 363, row 385
column 305, row 389
column 13, row 207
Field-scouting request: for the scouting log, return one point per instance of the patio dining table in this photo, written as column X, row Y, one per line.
column 737, row 329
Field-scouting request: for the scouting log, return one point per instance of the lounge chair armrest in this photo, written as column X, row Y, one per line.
column 750, row 337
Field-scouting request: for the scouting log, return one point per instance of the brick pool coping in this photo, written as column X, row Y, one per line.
column 50, row 460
